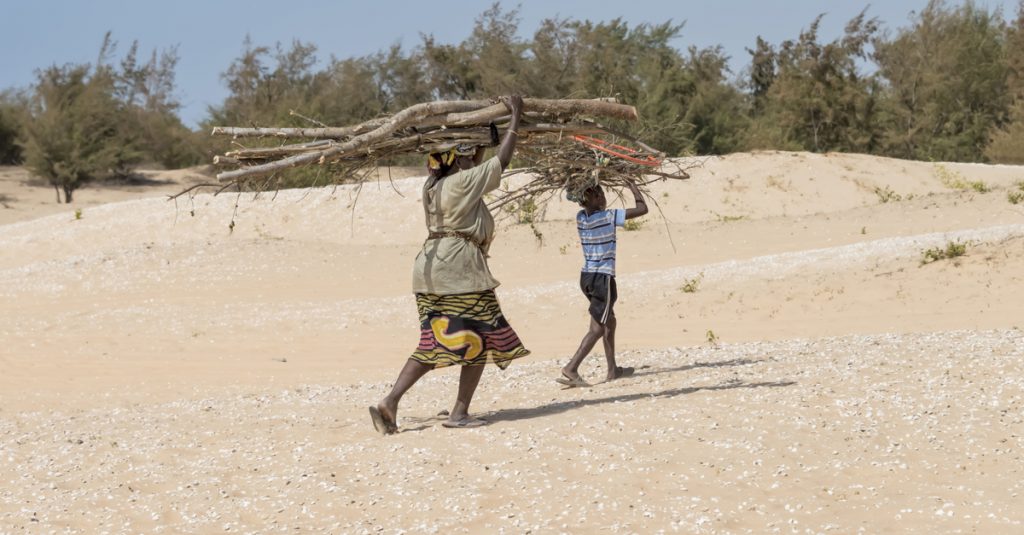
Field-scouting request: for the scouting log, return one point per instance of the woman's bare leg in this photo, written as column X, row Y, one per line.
column 411, row 372
column 469, row 378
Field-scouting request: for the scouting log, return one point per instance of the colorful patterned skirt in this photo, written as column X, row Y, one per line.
column 467, row 329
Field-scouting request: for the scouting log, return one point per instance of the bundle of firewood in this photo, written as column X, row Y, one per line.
column 560, row 141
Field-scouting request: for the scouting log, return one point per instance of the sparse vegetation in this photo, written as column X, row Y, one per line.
column 633, row 225
column 711, row 337
column 951, row 250
column 729, row 218
column 691, row 285
column 78, row 214
column 886, row 194
column 526, row 211
column 954, row 180
column 1016, row 195
column 537, row 234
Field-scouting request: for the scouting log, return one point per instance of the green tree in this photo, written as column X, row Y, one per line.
column 552, row 65
column 488, row 63
column 813, row 96
column 716, row 110
column 946, row 83
column 12, row 109
column 266, row 85
column 1007, row 142
column 147, row 92
column 762, row 72
column 683, row 101
column 72, row 128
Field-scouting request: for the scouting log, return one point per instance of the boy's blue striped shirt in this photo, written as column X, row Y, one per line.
column 597, row 236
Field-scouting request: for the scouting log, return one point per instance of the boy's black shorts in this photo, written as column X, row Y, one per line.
column 601, row 291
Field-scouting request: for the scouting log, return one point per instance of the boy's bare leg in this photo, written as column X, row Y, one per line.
column 411, row 372
column 609, row 348
column 571, row 370
column 469, row 378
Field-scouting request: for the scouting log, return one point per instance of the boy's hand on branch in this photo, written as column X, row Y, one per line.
column 631, row 184
column 638, row 197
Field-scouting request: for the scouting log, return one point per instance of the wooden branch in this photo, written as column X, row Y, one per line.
column 320, row 133
column 456, row 113
column 225, row 160
column 358, row 146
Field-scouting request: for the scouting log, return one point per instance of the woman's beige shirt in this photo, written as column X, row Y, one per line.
column 452, row 265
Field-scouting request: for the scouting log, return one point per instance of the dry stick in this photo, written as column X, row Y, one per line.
column 336, row 132
column 300, row 116
column 352, row 218
column 231, row 226
column 220, row 188
column 328, row 132
column 266, row 152
column 399, row 120
column 309, row 190
column 668, row 230
column 467, row 108
column 226, row 160
column 629, row 138
column 420, row 112
column 392, row 181
column 453, row 134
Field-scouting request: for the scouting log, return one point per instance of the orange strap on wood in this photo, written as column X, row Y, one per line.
column 619, row 151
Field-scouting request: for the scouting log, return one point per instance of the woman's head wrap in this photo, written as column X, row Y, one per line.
column 437, row 160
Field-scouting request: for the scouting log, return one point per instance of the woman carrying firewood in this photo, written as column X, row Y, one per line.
column 460, row 319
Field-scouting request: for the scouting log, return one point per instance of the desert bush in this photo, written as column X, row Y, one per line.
column 952, row 250
column 954, row 180
column 633, row 225
column 1016, row 194
column 886, row 194
column 691, row 285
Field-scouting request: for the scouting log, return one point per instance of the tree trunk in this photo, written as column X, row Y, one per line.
column 67, row 193
column 56, row 190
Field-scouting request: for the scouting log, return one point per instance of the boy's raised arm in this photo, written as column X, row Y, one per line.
column 640, row 207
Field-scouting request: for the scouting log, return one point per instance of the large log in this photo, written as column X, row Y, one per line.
column 429, row 140
column 472, row 113
column 453, row 111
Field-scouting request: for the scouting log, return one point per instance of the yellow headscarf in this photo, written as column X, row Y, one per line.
column 437, row 159
column 447, row 158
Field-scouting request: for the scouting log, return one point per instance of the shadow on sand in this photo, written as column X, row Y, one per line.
column 549, row 409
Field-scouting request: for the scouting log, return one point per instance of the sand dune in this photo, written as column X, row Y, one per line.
column 163, row 372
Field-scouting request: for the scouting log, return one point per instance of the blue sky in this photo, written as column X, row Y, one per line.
column 209, row 33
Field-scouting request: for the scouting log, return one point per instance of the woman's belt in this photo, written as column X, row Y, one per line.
column 455, row 234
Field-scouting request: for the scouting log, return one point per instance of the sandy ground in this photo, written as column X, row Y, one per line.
column 800, row 371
